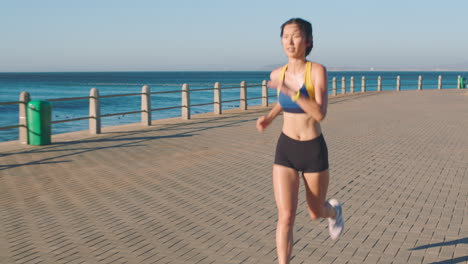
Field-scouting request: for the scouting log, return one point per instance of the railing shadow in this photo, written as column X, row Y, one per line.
column 350, row 96
column 133, row 143
column 126, row 139
column 447, row 243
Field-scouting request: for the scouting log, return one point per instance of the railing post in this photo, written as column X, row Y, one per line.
column 243, row 95
column 264, row 94
column 351, row 84
column 398, row 83
column 94, row 112
column 379, row 84
column 334, row 86
column 146, row 105
column 185, row 101
column 420, row 83
column 363, row 84
column 23, row 122
column 439, row 85
column 343, row 85
column 217, row 108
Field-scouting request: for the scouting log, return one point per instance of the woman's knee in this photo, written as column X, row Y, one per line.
column 286, row 218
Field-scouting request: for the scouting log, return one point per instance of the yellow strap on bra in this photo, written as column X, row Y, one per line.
column 307, row 79
column 281, row 77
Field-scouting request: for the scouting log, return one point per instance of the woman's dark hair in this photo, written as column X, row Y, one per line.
column 306, row 29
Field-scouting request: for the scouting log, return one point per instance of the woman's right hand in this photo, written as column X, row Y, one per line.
column 283, row 87
column 262, row 123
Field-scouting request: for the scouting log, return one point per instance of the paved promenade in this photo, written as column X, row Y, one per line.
column 200, row 191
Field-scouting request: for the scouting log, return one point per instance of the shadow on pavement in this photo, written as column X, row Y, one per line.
column 441, row 244
column 451, row 261
column 124, row 139
column 447, row 243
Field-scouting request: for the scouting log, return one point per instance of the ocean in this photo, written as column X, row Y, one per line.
column 44, row 86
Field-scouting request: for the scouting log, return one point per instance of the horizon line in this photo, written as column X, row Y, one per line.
column 331, row 69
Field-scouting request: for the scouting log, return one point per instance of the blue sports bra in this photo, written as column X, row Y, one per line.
column 307, row 90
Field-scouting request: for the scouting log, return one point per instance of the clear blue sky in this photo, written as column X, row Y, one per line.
column 102, row 35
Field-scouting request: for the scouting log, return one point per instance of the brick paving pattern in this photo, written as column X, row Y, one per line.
column 200, row 191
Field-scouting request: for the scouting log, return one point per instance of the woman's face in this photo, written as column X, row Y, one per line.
column 294, row 42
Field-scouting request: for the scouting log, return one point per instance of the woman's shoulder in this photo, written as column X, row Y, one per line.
column 318, row 70
column 276, row 73
column 318, row 67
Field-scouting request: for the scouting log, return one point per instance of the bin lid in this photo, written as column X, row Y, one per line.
column 39, row 104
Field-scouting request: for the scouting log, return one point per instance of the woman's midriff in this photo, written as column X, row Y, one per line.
column 300, row 126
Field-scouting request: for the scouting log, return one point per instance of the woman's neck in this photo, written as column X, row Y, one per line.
column 296, row 66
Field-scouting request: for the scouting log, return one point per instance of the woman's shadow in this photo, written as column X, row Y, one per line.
column 447, row 243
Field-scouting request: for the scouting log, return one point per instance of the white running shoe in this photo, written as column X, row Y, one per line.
column 336, row 225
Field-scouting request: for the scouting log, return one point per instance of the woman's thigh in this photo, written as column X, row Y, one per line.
column 286, row 188
column 316, row 185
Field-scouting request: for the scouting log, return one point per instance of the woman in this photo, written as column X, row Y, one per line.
column 302, row 95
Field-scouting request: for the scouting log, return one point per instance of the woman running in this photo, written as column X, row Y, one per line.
column 302, row 96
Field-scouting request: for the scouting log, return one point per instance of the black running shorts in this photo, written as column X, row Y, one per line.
column 305, row 156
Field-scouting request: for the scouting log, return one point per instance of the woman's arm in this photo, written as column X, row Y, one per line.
column 317, row 108
column 264, row 121
column 274, row 112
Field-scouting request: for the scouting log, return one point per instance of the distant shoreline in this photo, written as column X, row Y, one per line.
column 396, row 70
column 330, row 69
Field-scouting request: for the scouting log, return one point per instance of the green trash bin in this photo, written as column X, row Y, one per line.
column 39, row 114
column 462, row 82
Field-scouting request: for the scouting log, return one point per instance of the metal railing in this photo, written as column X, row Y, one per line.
column 95, row 115
column 380, row 86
